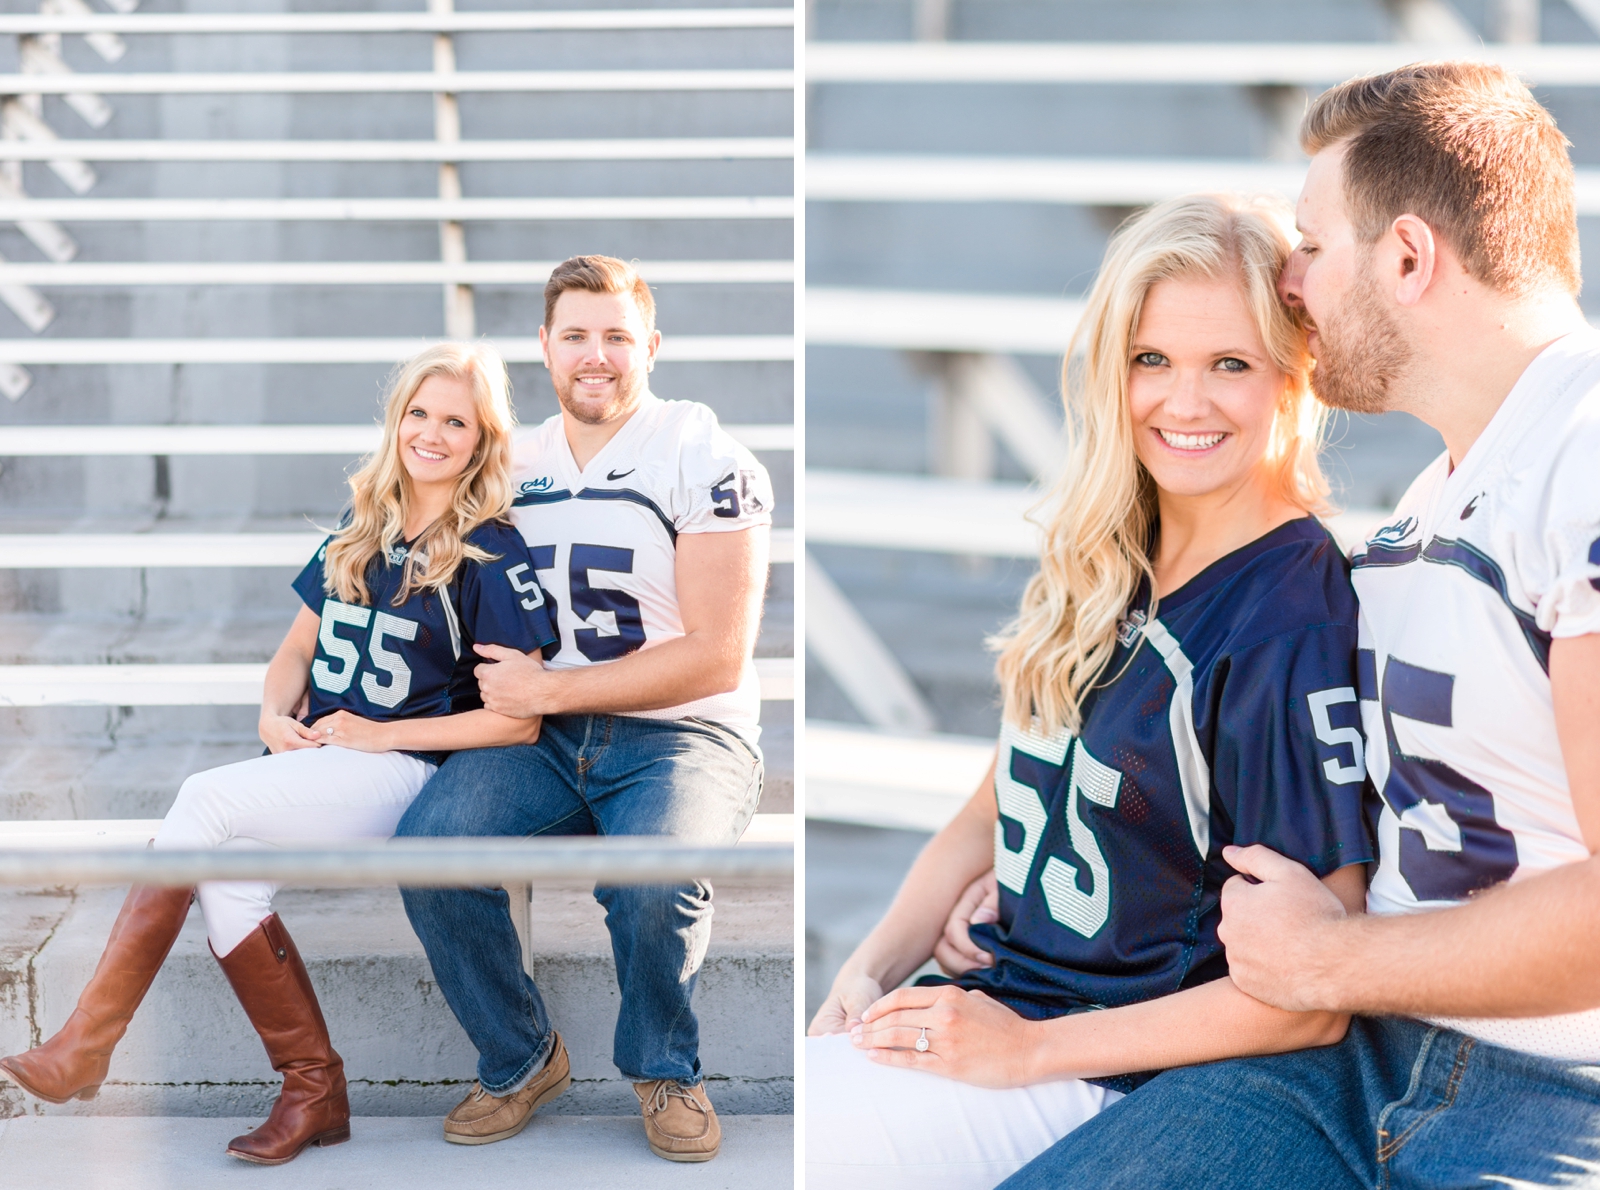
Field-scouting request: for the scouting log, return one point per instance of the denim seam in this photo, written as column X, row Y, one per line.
column 526, row 1074
column 1452, row 1087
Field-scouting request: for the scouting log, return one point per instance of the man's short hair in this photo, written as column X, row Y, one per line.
column 599, row 274
column 1465, row 147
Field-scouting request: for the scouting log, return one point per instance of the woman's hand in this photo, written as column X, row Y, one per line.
column 283, row 733
column 971, row 1038
column 352, row 731
column 850, row 996
column 956, row 952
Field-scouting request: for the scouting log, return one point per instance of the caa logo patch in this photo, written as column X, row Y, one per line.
column 543, row 484
column 1394, row 534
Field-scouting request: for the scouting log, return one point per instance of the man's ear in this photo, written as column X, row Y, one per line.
column 544, row 347
column 1415, row 255
column 650, row 356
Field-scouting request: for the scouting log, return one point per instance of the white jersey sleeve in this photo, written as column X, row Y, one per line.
column 720, row 486
column 1566, row 563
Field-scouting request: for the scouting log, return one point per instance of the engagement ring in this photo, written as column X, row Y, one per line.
column 922, row 1042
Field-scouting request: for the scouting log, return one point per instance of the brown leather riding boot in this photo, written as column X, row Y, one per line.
column 273, row 988
column 73, row 1063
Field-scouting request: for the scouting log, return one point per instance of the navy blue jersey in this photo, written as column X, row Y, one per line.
column 415, row 660
column 1230, row 718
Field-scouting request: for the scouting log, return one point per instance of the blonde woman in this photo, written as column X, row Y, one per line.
column 1180, row 678
column 372, row 686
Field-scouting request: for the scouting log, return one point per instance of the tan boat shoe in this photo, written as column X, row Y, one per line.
column 679, row 1121
column 482, row 1118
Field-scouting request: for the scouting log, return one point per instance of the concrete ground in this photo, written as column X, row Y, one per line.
column 390, row 1153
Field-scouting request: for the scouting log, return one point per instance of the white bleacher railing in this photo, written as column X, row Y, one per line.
column 19, row 441
column 143, row 550
column 215, row 685
column 919, row 320
column 1081, row 182
column 681, row 348
column 399, row 82
column 388, row 210
column 52, row 149
column 403, row 272
column 1240, row 63
column 556, row 21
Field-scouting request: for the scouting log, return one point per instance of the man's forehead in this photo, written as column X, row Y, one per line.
column 1322, row 196
column 584, row 309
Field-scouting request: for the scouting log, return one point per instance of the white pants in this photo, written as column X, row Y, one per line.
column 871, row 1127
column 308, row 795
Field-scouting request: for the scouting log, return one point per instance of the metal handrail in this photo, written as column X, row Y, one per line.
column 422, row 863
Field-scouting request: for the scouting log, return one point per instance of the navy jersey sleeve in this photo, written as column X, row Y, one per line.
column 308, row 584
column 1288, row 764
column 501, row 601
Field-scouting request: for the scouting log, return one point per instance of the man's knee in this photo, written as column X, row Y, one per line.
column 654, row 907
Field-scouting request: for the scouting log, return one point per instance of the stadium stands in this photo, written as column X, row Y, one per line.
column 228, row 226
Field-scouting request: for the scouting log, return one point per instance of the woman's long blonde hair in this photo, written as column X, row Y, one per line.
column 381, row 490
column 1099, row 518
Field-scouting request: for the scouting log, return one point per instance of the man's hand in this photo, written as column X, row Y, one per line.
column 344, row 730
column 956, row 952
column 514, row 684
column 971, row 1038
column 1277, row 932
column 850, row 996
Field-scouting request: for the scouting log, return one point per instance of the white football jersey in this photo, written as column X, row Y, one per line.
column 604, row 539
column 1461, row 593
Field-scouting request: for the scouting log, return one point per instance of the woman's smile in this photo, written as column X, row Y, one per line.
column 1192, row 443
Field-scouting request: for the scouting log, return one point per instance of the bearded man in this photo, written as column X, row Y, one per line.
column 648, row 527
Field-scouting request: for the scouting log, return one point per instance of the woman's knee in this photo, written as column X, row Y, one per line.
column 198, row 817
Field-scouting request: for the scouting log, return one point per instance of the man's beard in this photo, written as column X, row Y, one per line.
column 1360, row 353
column 627, row 396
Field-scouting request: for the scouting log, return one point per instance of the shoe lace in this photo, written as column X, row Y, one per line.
column 666, row 1089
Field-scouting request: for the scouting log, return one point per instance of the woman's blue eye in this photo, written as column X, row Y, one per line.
column 1150, row 359
column 1231, row 364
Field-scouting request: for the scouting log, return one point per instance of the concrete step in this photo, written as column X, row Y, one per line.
column 191, row 1052
column 392, row 1153
column 108, row 762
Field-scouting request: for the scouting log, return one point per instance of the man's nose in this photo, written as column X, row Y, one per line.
column 1291, row 281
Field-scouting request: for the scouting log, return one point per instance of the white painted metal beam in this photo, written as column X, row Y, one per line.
column 148, row 210
column 674, row 348
column 108, row 551
column 879, row 778
column 399, row 22
column 1071, row 181
column 25, row 441
column 1242, row 63
column 857, row 659
column 407, row 272
column 398, row 82
column 913, row 320
column 596, row 149
column 210, row 685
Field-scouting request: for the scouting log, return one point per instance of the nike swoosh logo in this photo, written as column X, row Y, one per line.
column 1472, row 506
column 613, row 476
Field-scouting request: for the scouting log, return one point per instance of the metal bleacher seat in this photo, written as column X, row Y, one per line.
column 228, row 226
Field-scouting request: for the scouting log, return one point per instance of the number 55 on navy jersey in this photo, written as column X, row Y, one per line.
column 1233, row 721
column 415, row 660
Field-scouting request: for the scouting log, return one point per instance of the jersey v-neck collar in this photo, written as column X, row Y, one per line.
column 647, row 405
column 1305, row 528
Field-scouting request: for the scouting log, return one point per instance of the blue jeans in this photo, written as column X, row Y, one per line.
column 1398, row 1103
column 587, row 775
